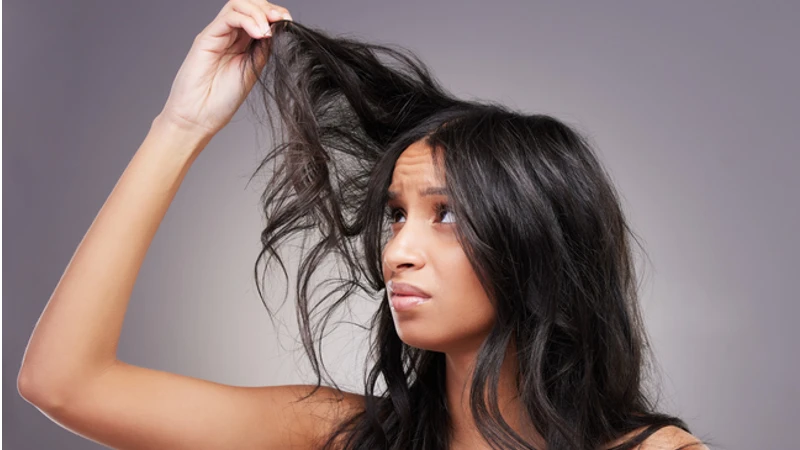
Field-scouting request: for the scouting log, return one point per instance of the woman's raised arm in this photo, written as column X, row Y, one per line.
column 70, row 369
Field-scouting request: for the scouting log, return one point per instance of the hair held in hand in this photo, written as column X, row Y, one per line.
column 539, row 220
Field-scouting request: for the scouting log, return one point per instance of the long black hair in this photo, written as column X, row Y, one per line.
column 539, row 221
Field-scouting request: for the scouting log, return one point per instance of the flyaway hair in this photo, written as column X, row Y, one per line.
column 539, row 221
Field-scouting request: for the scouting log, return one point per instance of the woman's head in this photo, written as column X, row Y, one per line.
column 522, row 214
column 524, row 245
column 423, row 250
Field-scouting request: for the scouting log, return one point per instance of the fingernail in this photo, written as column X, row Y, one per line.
column 266, row 30
column 286, row 16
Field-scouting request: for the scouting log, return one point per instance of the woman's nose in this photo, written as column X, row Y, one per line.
column 404, row 250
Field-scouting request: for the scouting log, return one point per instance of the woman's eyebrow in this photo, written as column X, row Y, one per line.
column 433, row 190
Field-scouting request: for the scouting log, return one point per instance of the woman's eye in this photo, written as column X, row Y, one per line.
column 442, row 211
column 451, row 220
column 392, row 213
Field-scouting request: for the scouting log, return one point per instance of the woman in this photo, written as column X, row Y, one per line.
column 493, row 239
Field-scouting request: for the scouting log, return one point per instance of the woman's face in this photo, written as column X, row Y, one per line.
column 423, row 251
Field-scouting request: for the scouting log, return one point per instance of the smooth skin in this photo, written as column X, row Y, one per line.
column 70, row 370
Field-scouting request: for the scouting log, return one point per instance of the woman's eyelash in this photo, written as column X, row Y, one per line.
column 390, row 212
column 440, row 208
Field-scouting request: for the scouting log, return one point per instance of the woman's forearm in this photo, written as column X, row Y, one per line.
column 77, row 335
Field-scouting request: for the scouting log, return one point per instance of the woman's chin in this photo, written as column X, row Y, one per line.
column 419, row 336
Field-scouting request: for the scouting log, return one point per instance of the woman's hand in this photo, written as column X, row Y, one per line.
column 208, row 88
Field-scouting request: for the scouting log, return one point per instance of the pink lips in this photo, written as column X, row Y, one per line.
column 403, row 296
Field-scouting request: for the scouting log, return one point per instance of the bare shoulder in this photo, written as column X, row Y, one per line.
column 672, row 438
column 667, row 438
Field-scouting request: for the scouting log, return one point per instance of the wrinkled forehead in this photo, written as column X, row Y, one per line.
column 416, row 166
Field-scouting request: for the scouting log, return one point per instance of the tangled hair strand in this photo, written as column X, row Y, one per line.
column 539, row 221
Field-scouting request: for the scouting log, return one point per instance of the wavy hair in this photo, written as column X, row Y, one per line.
column 539, row 221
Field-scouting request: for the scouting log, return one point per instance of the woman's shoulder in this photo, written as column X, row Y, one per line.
column 667, row 438
column 672, row 438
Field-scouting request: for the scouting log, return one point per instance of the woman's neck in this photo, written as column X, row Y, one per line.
column 459, row 369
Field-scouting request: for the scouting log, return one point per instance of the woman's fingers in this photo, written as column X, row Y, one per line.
column 208, row 87
column 262, row 12
column 256, row 11
column 274, row 12
column 229, row 21
column 253, row 16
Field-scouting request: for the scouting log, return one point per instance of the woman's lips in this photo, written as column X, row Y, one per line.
column 404, row 296
column 401, row 288
column 405, row 302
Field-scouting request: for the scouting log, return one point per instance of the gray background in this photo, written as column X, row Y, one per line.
column 693, row 107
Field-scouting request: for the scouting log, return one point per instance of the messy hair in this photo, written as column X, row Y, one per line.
column 539, row 221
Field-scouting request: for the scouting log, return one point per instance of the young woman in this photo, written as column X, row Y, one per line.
column 492, row 239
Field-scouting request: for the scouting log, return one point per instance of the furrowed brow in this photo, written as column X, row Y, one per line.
column 434, row 190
